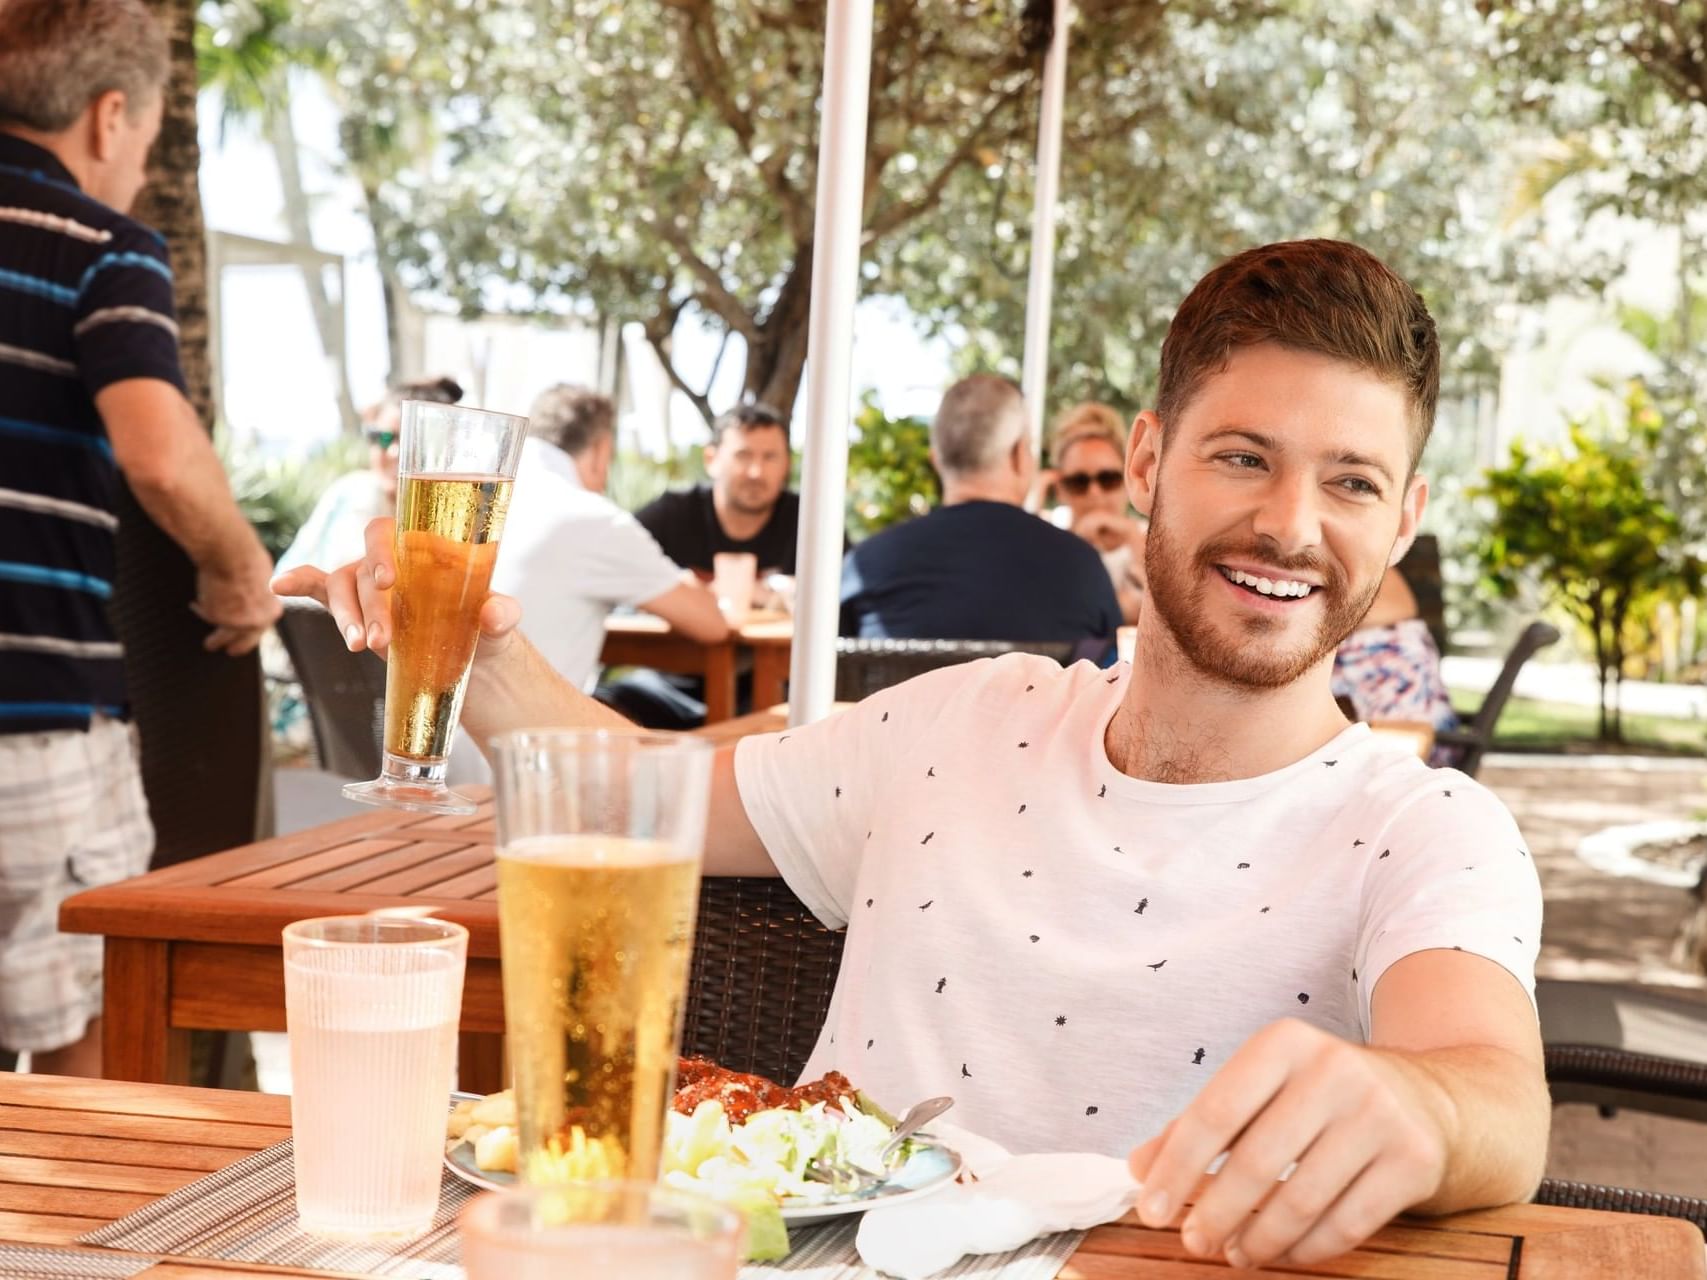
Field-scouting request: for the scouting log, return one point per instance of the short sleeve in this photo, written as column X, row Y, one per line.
column 126, row 323
column 813, row 793
column 621, row 563
column 666, row 519
column 1452, row 873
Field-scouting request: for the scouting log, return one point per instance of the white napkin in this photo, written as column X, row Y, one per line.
column 1015, row 1200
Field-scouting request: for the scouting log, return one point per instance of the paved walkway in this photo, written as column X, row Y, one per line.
column 1609, row 928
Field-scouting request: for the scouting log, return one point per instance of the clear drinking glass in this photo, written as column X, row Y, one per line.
column 455, row 468
column 600, row 837
column 631, row 1230
column 372, row 1004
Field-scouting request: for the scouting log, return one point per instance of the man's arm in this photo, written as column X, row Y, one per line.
column 171, row 467
column 512, row 686
column 1446, row 1109
column 691, row 608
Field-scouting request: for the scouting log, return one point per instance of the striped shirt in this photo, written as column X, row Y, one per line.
column 85, row 301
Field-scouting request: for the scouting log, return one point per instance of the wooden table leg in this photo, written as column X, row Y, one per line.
column 719, row 682
column 137, row 1041
column 770, row 676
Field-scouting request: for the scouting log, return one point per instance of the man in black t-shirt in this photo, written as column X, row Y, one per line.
column 745, row 507
column 980, row 567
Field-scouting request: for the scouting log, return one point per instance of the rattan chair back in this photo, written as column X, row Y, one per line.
column 345, row 691
column 763, row 971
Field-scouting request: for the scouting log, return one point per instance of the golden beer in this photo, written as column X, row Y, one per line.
column 447, row 542
column 596, row 934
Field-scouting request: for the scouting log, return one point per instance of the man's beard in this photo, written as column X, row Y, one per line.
column 1179, row 589
column 750, row 499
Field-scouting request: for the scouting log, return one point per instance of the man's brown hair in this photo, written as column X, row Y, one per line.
column 58, row 56
column 1324, row 296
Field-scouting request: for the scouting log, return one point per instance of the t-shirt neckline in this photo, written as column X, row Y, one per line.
column 1353, row 738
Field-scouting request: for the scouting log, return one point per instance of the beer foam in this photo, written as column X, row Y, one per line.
column 595, row 850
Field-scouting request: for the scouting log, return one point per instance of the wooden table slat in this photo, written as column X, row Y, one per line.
column 1376, row 1258
column 196, row 1157
column 475, row 884
column 1128, row 1237
column 36, row 1198
column 293, row 872
column 406, row 854
column 47, row 1228
column 89, row 1175
column 423, row 880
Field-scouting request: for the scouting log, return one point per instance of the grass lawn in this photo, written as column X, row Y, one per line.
column 1530, row 725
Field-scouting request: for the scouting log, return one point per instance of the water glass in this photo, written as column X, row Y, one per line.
column 632, row 1230
column 734, row 577
column 600, row 837
column 371, row 1004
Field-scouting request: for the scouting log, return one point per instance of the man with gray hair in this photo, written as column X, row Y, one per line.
column 92, row 397
column 979, row 567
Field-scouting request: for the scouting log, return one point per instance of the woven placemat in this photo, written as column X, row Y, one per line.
column 828, row 1253
column 47, row 1262
column 246, row 1212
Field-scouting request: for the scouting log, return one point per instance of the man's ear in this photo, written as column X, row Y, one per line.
column 1143, row 459
column 710, row 456
column 105, row 115
column 1410, row 517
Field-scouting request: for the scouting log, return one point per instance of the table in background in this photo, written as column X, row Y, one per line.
column 77, row 1154
column 644, row 640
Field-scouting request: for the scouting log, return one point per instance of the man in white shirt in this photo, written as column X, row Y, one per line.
column 1183, row 904
column 571, row 555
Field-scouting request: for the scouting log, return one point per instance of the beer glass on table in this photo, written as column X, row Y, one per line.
column 600, row 838
column 455, row 471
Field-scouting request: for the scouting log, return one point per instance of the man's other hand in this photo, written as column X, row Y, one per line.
column 238, row 606
column 1369, row 1141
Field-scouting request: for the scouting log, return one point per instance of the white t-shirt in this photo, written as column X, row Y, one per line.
column 1071, row 952
column 569, row 556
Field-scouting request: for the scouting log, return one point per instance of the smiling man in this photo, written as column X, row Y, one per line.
column 1184, row 904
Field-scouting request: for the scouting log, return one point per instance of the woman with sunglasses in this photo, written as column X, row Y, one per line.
column 1088, row 446
column 333, row 532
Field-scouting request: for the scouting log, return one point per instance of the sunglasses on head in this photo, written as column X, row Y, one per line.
column 381, row 439
column 1078, row 483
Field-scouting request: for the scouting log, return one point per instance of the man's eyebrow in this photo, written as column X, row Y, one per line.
column 1344, row 458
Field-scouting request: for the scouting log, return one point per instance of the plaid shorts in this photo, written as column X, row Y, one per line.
column 72, row 816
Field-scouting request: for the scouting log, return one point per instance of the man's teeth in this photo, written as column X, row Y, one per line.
column 1268, row 586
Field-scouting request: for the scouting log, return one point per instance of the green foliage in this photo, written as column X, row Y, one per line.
column 890, row 476
column 277, row 494
column 636, row 478
column 1589, row 527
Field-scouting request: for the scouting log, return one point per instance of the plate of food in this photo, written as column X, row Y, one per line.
column 749, row 1142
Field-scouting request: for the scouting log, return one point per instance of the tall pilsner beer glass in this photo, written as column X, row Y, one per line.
column 455, row 470
column 600, row 837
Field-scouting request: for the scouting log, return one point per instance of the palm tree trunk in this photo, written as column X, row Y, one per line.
column 199, row 714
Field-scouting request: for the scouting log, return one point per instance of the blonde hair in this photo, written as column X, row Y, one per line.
column 1086, row 421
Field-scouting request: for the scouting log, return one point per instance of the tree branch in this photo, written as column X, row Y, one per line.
column 899, row 214
column 714, row 294
column 658, row 331
column 697, row 30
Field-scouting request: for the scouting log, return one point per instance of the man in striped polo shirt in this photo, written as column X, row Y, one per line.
column 90, row 391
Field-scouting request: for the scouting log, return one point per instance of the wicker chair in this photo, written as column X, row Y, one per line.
column 865, row 666
column 345, row 692
column 1478, row 734
column 763, row 970
column 1611, row 1046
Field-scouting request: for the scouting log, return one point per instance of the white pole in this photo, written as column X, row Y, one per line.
column 829, row 353
column 1040, row 291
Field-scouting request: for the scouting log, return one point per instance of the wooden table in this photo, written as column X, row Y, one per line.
column 643, row 640
column 75, row 1155
column 197, row 946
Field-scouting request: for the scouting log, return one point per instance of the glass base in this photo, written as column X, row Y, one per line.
column 410, row 784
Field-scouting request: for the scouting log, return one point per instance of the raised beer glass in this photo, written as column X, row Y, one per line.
column 455, row 470
column 600, row 838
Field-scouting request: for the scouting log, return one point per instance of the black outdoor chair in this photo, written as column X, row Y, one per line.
column 865, row 666
column 1476, row 735
column 345, row 692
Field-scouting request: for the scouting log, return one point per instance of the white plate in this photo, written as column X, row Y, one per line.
column 930, row 1168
